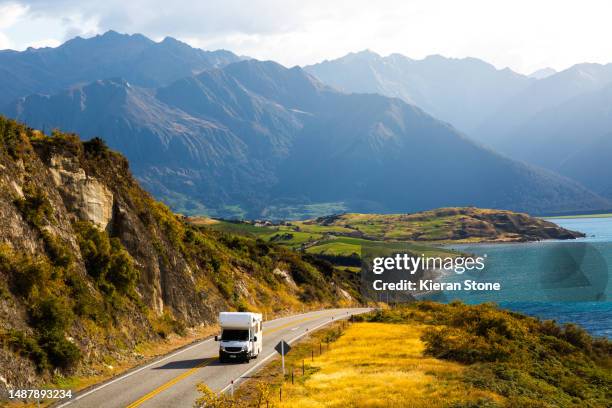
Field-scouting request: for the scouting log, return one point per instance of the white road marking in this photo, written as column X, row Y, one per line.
column 124, row 376
column 256, row 366
column 176, row 353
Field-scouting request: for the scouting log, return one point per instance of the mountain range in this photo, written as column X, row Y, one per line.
column 134, row 57
column 237, row 137
column 462, row 92
column 556, row 120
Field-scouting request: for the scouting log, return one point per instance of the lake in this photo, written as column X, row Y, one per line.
column 567, row 281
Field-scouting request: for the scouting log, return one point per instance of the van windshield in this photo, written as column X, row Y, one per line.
column 234, row 335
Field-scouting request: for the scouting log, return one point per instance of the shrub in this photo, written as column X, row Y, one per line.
column 25, row 272
column 531, row 363
column 26, row 346
column 51, row 317
column 96, row 147
column 34, row 206
column 61, row 352
column 166, row 324
column 106, row 260
column 59, row 253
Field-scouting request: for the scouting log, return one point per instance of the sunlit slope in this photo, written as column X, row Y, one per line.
column 382, row 365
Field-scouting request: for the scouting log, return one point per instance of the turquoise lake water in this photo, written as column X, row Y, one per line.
column 568, row 281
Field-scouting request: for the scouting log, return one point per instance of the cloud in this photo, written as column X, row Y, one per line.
column 10, row 13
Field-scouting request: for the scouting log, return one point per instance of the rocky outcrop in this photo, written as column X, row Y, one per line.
column 85, row 196
column 91, row 265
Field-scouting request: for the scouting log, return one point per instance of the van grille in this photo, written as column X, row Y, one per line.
column 233, row 349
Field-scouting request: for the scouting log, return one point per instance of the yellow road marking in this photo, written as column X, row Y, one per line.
column 207, row 362
column 170, row 383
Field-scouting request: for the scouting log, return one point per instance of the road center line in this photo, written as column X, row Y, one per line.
column 171, row 383
column 208, row 361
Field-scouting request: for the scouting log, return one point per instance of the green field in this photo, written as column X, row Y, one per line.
column 342, row 238
column 323, row 239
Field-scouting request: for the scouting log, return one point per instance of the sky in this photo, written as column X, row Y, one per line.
column 522, row 35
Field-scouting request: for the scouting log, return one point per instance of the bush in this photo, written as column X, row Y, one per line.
column 26, row 346
column 166, row 324
column 106, row 260
column 96, row 147
column 34, row 206
column 59, row 253
column 531, row 363
column 51, row 317
column 61, row 353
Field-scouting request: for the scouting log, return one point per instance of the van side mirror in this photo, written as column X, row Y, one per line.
column 255, row 338
column 216, row 338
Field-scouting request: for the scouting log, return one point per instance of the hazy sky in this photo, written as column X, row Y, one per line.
column 524, row 35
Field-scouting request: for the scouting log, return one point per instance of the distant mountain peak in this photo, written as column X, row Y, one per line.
column 171, row 40
column 542, row 73
column 139, row 59
column 112, row 33
column 364, row 54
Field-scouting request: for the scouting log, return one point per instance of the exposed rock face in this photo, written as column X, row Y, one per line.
column 88, row 198
column 284, row 275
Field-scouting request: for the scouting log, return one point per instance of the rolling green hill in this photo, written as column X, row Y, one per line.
column 339, row 238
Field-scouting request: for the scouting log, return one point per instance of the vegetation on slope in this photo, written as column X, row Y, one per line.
column 77, row 295
column 340, row 238
column 448, row 224
column 530, row 363
column 434, row 355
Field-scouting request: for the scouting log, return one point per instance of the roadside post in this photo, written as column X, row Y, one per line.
column 282, row 348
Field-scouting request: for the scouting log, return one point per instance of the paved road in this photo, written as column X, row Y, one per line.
column 171, row 381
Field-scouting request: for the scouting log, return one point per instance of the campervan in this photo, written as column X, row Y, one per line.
column 241, row 336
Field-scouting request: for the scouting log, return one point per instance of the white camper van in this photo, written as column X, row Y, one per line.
column 241, row 336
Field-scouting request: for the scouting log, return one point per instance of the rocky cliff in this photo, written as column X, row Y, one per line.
column 91, row 265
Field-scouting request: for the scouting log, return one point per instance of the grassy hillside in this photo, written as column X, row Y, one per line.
column 447, row 224
column 435, row 355
column 340, row 238
column 92, row 267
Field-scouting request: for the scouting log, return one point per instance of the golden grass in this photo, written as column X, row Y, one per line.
column 381, row 365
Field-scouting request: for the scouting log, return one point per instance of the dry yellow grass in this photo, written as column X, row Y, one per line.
column 381, row 365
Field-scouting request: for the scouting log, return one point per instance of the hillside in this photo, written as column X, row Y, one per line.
column 257, row 140
column 135, row 57
column 437, row 355
column 550, row 137
column 448, row 224
column 589, row 162
column 462, row 91
column 91, row 266
column 341, row 238
column 508, row 129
